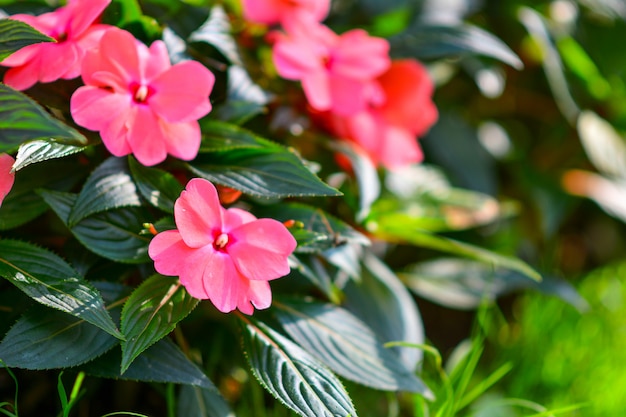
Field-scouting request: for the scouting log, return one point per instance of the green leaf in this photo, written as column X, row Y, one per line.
column 397, row 231
column 198, row 402
column 365, row 173
column 47, row 279
column 320, row 231
column 151, row 312
column 216, row 31
column 604, row 146
column 245, row 99
column 110, row 186
column 14, row 35
column 434, row 40
column 23, row 204
column 21, row 120
column 114, row 234
column 465, row 284
column 46, row 339
column 220, row 136
column 293, row 376
column 162, row 362
column 346, row 345
column 158, row 187
column 268, row 172
column 40, row 151
column 385, row 305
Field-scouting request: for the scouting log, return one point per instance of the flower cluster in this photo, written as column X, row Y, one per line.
column 138, row 101
column 143, row 105
column 351, row 84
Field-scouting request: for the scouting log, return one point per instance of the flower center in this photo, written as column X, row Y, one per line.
column 141, row 94
column 221, row 241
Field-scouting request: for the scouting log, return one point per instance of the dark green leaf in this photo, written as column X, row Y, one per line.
column 23, row 204
column 293, row 376
column 366, row 176
column 432, row 40
column 312, row 269
column 381, row 301
column 197, row 402
column 159, row 187
column 346, row 345
column 320, row 231
column 114, row 235
column 41, row 150
column 162, row 362
column 110, row 186
column 220, row 136
column 14, row 35
column 21, row 120
column 47, row 279
column 45, row 339
column 245, row 99
column 151, row 312
column 217, row 32
column 268, row 172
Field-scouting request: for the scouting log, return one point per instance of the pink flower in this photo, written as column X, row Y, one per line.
column 74, row 30
column 139, row 102
column 6, row 176
column 225, row 255
column 277, row 11
column 386, row 130
column 336, row 71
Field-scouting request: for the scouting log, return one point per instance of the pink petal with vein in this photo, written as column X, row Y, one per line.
column 182, row 92
column 198, row 213
column 261, row 249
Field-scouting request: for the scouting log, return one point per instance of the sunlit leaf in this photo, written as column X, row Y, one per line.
column 604, row 146
column 267, row 172
column 151, row 312
column 346, row 345
column 292, row 375
column 49, row 280
column 41, row 150
column 217, row 32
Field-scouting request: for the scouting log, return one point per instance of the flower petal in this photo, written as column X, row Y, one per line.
column 260, row 249
column 169, row 252
column 83, row 14
column 7, row 178
column 145, row 136
column 235, row 217
column 182, row 140
column 182, row 92
column 94, row 108
column 118, row 50
column 157, row 61
column 316, row 86
column 398, row 148
column 22, row 77
column 198, row 213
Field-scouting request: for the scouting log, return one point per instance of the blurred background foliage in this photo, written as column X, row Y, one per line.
column 544, row 137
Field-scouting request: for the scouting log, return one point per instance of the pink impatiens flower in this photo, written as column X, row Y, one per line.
column 387, row 129
column 141, row 103
column 75, row 32
column 224, row 255
column 278, row 11
column 336, row 71
column 6, row 176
